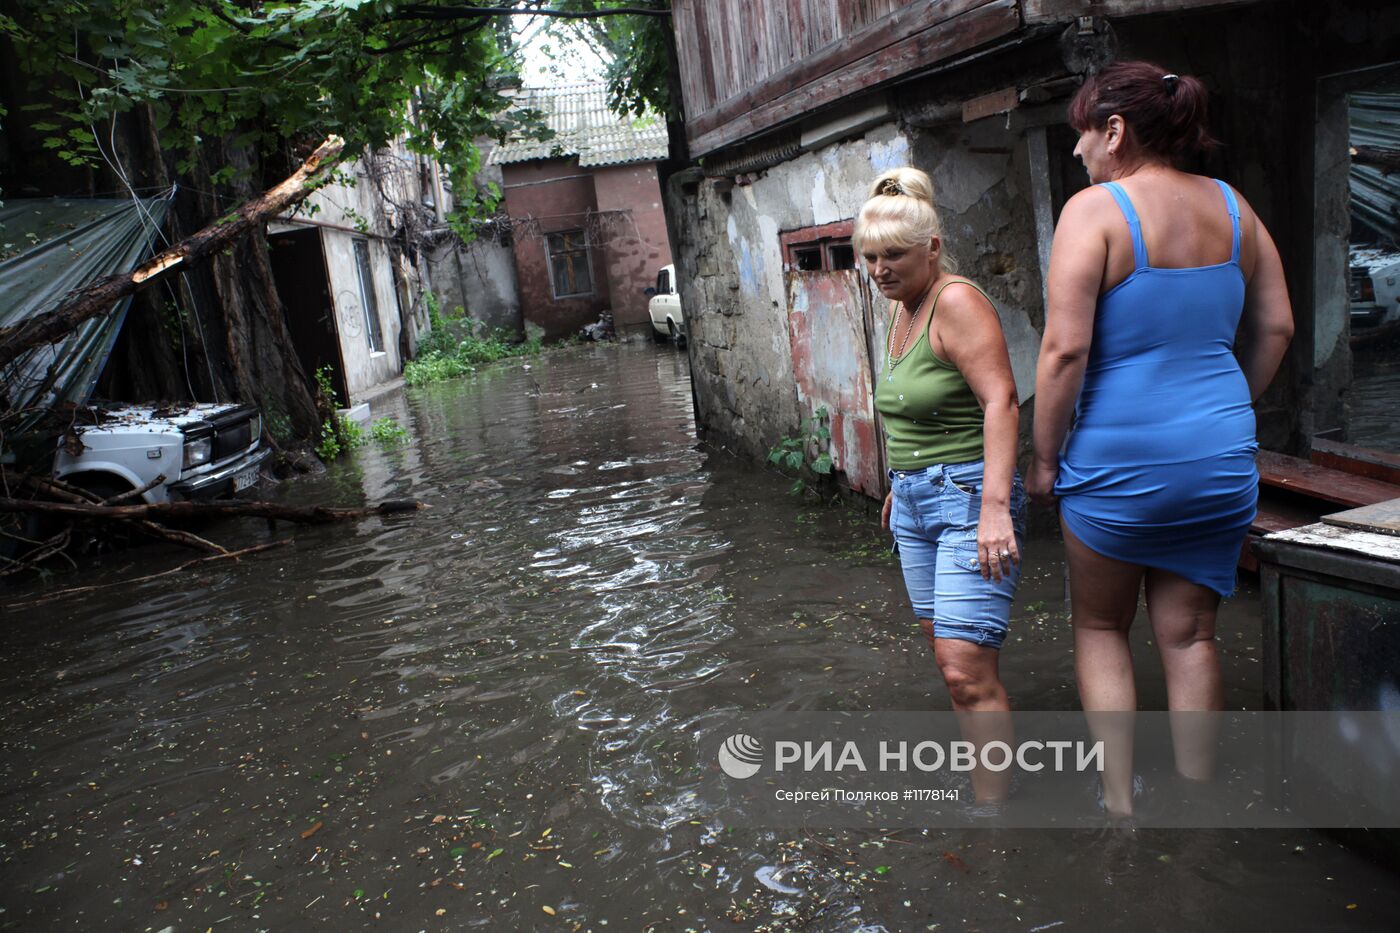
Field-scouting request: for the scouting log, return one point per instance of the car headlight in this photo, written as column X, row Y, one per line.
column 197, row 451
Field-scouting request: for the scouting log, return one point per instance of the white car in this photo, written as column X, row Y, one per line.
column 204, row 451
column 667, row 320
column 1374, row 290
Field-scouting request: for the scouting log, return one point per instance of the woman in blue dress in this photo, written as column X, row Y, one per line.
column 1153, row 272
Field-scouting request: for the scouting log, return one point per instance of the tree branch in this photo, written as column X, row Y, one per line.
column 98, row 298
column 1387, row 160
column 198, row 561
column 303, row 515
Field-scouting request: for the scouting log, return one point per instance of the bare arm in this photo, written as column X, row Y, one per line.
column 1267, row 321
column 967, row 332
column 1077, row 261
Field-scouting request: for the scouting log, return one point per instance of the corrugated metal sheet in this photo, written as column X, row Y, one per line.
column 48, row 247
column 583, row 126
column 1375, row 196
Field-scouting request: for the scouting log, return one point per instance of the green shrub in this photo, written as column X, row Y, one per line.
column 457, row 345
column 388, row 432
column 809, row 449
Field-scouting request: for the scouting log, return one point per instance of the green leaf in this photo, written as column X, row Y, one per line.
column 494, row 854
column 882, row 870
column 822, row 464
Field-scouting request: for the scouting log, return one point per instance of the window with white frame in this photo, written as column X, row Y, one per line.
column 368, row 301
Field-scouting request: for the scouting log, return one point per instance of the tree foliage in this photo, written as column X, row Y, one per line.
column 636, row 49
column 270, row 73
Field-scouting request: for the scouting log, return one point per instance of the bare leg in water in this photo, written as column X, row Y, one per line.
column 973, row 679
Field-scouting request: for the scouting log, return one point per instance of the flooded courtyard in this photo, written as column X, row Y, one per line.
column 477, row 716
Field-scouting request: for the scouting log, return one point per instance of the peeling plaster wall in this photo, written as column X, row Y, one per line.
column 479, row 277
column 731, row 271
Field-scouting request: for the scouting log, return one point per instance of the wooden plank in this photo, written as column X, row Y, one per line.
column 989, row 104
column 1381, row 518
column 1363, row 461
column 1369, row 544
column 818, row 62
column 986, row 23
column 1061, row 11
column 1283, row 472
column 1266, row 523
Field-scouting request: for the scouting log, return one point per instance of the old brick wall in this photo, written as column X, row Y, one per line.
column 557, row 196
column 636, row 246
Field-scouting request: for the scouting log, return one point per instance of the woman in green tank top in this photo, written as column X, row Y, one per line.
column 948, row 402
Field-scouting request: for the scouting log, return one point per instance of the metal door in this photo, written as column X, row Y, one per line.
column 836, row 340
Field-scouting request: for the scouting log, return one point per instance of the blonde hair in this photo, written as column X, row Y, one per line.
column 899, row 213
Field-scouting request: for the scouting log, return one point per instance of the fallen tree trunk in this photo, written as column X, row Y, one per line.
column 100, row 296
column 301, row 515
column 74, row 495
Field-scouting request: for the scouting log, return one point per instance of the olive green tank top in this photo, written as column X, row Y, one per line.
column 931, row 415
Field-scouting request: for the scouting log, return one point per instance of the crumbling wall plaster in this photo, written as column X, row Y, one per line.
column 731, row 263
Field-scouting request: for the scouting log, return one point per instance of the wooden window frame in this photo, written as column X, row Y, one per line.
column 822, row 240
column 551, row 256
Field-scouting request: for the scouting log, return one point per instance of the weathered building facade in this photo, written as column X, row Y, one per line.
column 351, row 290
column 585, row 212
column 792, row 110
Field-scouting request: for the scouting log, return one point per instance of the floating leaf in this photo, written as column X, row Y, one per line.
column 494, row 854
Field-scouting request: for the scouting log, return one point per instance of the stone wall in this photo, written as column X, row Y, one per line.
column 731, row 266
column 1282, row 125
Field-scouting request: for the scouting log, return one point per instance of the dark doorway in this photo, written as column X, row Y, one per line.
column 299, row 268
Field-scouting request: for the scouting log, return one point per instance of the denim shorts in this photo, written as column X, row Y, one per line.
column 934, row 519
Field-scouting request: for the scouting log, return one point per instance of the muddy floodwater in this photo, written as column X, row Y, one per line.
column 477, row 716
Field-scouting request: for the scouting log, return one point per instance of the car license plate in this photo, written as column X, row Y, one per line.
column 245, row 478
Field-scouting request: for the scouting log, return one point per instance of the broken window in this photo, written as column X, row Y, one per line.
column 569, row 268
column 819, row 249
column 841, row 256
column 368, row 300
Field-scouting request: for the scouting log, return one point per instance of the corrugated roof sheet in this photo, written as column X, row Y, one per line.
column 584, row 127
column 1375, row 196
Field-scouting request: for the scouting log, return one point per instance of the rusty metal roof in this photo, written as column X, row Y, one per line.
column 584, row 126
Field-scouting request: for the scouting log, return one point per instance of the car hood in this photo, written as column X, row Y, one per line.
column 123, row 417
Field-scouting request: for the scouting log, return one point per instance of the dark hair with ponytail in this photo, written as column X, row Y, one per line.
column 1165, row 112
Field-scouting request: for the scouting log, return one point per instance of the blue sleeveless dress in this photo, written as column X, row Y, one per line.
column 1159, row 467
